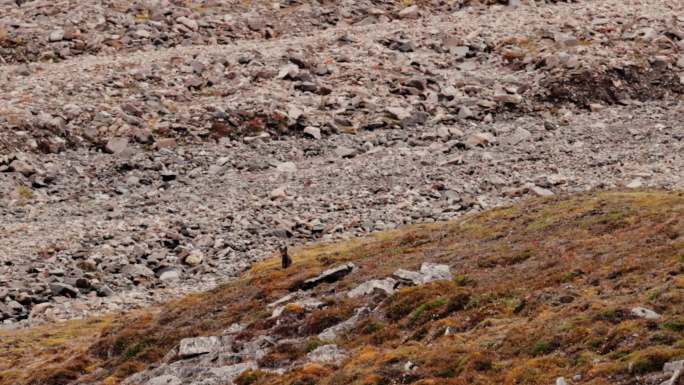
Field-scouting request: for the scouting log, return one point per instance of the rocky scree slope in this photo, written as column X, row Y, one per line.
column 584, row 289
column 140, row 228
column 386, row 66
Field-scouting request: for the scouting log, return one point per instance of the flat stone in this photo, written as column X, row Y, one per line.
column 334, row 331
column 56, row 35
column 411, row 12
column 345, row 152
column 331, row 275
column 195, row 258
column 228, row 374
column 313, row 132
column 136, row 270
column 287, row 167
column 190, row 347
column 673, row 366
column 541, row 192
column 429, row 272
column 677, row 370
column 398, row 113
column 191, row 24
column 518, row 136
column 435, row 272
column 408, row 276
column 116, row 145
column 169, row 274
column 165, row 380
column 308, row 305
column 165, row 143
column 328, row 354
column 480, row 139
column 643, row 312
column 23, row 167
column 386, row 285
column 635, row 183
column 64, row 290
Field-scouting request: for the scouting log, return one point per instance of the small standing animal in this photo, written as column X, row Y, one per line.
column 286, row 260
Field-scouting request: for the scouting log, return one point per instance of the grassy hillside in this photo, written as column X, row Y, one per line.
column 541, row 289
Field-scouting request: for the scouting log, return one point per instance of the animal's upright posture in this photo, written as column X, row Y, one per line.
column 285, row 258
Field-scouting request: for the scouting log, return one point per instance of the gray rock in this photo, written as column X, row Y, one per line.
column 165, row 380
column 287, row 167
column 136, row 270
column 195, row 258
column 23, row 167
column 643, row 312
column 411, row 12
column 190, row 347
column 313, row 132
column 168, row 274
column 677, row 370
column 408, row 276
column 331, row 275
column 235, row 328
column 328, row 354
column 56, row 35
column 635, row 183
column 105, row 291
column 561, row 381
column 116, row 145
column 518, row 136
column 435, row 272
column 334, row 331
column 398, row 113
column 540, row 191
column 189, row 23
column 63, row 290
column 386, row 285
column 429, row 272
column 465, row 113
column 345, row 152
column 227, row 374
column 673, row 366
column 480, row 139
column 308, row 304
column 257, row 348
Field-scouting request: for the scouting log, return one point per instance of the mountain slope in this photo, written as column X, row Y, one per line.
column 539, row 290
